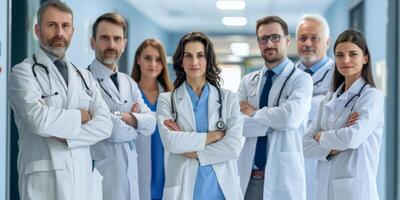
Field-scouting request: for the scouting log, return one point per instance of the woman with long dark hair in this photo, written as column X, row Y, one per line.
column 200, row 126
column 346, row 137
column 150, row 71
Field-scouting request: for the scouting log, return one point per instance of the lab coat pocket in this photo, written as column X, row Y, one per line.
column 290, row 172
column 41, row 179
column 346, row 189
column 171, row 193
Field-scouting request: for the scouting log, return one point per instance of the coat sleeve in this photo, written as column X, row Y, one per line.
column 230, row 146
column 370, row 106
column 176, row 141
column 251, row 127
column 25, row 99
column 146, row 119
column 291, row 113
column 100, row 125
column 311, row 148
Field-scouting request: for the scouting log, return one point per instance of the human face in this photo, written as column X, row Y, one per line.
column 312, row 43
column 150, row 63
column 194, row 61
column 109, row 43
column 273, row 52
column 350, row 60
column 55, row 31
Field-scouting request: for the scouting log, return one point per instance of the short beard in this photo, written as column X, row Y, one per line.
column 308, row 60
column 58, row 52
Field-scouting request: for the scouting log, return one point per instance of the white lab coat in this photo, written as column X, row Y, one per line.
column 351, row 174
column 116, row 157
column 322, row 80
column 49, row 169
column 143, row 148
column 285, row 124
column 181, row 171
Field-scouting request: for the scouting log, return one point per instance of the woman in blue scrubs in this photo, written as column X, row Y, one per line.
column 200, row 127
column 151, row 73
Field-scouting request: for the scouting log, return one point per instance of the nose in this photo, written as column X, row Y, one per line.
column 153, row 62
column 111, row 43
column 346, row 59
column 269, row 43
column 60, row 31
column 308, row 41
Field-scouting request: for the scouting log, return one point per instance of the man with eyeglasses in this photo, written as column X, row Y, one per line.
column 312, row 45
column 116, row 157
column 275, row 101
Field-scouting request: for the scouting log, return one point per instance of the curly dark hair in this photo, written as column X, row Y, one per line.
column 212, row 70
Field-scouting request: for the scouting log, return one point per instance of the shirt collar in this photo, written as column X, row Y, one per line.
column 354, row 89
column 52, row 57
column 316, row 66
column 193, row 96
column 99, row 69
column 278, row 68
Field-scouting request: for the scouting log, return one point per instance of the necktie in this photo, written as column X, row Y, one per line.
column 261, row 148
column 114, row 78
column 309, row 71
column 62, row 68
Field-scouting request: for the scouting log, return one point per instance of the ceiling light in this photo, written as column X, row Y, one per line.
column 234, row 21
column 240, row 49
column 230, row 5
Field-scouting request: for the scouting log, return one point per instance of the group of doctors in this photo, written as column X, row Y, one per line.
column 310, row 130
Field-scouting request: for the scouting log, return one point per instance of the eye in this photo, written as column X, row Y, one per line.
column 353, row 54
column 159, row 60
column 338, row 55
column 104, row 37
column 117, row 39
column 66, row 26
column 147, row 58
column 201, row 55
column 187, row 56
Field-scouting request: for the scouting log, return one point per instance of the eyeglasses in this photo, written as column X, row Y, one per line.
column 304, row 38
column 274, row 38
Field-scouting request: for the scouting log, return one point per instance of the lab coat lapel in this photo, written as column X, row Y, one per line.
column 277, row 85
column 74, row 86
column 184, row 108
column 213, row 107
column 44, row 59
column 125, row 90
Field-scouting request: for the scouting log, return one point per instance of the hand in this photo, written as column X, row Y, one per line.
column 317, row 136
column 334, row 152
column 191, row 155
column 135, row 108
column 214, row 136
column 353, row 118
column 246, row 108
column 171, row 125
column 85, row 116
column 129, row 119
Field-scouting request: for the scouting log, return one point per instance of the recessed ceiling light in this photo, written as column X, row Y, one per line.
column 231, row 5
column 234, row 21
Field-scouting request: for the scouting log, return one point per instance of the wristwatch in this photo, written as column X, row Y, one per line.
column 117, row 114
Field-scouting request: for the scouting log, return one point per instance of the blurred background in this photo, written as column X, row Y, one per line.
column 231, row 27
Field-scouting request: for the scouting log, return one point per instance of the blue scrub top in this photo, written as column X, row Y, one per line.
column 157, row 158
column 206, row 185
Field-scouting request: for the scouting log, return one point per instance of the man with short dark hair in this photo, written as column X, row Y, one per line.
column 116, row 157
column 275, row 101
column 59, row 114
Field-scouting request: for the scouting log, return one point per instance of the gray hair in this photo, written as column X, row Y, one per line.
column 52, row 3
column 318, row 18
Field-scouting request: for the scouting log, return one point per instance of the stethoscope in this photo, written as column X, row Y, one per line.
column 254, row 82
column 220, row 124
column 87, row 89
column 100, row 80
column 323, row 77
column 351, row 99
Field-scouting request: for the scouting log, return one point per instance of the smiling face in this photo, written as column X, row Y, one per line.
column 272, row 52
column 55, row 31
column 194, row 61
column 109, row 43
column 350, row 60
column 312, row 43
column 150, row 63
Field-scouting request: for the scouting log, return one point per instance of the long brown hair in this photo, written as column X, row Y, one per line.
column 356, row 37
column 163, row 77
column 212, row 70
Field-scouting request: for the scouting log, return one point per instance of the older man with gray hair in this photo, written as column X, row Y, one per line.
column 312, row 45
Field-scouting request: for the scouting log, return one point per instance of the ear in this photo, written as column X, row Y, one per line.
column 125, row 42
column 288, row 39
column 328, row 42
column 365, row 60
column 37, row 30
column 92, row 43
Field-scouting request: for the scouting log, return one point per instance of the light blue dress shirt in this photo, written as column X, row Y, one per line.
column 206, row 185
column 315, row 67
